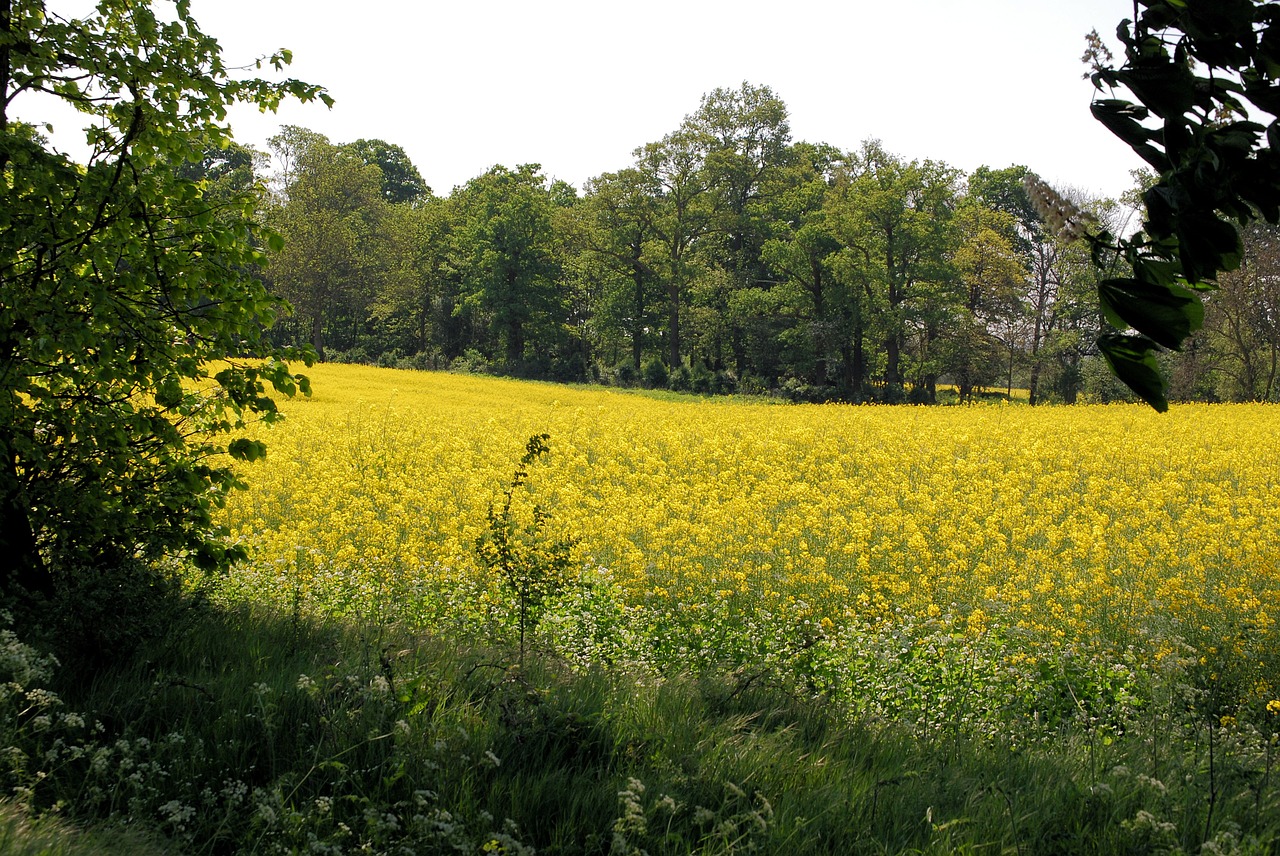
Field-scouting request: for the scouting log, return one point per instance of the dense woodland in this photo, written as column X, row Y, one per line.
column 725, row 258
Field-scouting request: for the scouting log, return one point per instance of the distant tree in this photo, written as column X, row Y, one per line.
column 123, row 287
column 990, row 275
column 621, row 238
column 1242, row 321
column 896, row 216
column 1055, row 319
column 332, row 218
column 748, row 136
column 683, row 210
column 803, row 254
column 227, row 169
column 505, row 250
column 290, row 146
column 401, row 181
column 412, row 308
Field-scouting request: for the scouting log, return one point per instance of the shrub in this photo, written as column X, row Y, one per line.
column 654, row 373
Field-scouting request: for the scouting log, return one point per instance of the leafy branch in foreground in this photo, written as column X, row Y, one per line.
column 1195, row 67
column 131, row 318
column 535, row 568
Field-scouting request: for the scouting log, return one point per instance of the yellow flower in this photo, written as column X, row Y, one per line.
column 1067, row 523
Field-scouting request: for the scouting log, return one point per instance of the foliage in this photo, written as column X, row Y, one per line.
column 1195, row 67
column 130, row 318
column 756, row 261
column 1238, row 351
column 333, row 220
column 401, row 181
column 256, row 731
column 504, row 253
column 896, row 219
column 786, row 267
column 535, row 569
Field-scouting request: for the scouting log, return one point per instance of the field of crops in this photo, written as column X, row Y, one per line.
column 966, row 564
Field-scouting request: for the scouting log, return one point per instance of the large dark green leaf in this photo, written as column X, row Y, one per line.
column 1132, row 359
column 1166, row 86
column 1123, row 118
column 1207, row 244
column 1165, row 312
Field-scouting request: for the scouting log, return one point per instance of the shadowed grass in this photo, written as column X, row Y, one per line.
column 251, row 732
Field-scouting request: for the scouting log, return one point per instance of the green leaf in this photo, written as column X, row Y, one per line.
column 1165, row 312
column 1132, row 359
column 247, row 450
column 169, row 392
column 1124, row 119
column 124, row 278
column 1207, row 244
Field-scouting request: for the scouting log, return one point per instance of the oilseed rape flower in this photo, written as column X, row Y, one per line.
column 1110, row 526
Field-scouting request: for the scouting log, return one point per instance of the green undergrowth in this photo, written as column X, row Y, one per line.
column 243, row 731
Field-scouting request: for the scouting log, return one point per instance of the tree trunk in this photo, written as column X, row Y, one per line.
column 846, row 372
column 820, row 326
column 859, row 367
column 317, row 335
column 892, row 372
column 673, row 322
column 637, row 330
column 515, row 343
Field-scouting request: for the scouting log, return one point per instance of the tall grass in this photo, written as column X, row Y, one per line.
column 254, row 732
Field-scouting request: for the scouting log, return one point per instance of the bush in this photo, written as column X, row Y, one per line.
column 625, row 374
column 390, row 359
column 471, row 362
column 654, row 373
column 355, row 356
column 681, row 379
column 1099, row 385
column 702, row 379
column 797, row 391
column 421, row 362
column 752, row 385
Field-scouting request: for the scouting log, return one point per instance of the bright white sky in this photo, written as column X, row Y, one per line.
column 577, row 85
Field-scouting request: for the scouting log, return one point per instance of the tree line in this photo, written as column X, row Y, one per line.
column 725, row 257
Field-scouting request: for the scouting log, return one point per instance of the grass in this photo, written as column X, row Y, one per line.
column 251, row 732
column 22, row 835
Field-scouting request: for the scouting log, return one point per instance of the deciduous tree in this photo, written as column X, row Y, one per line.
column 123, row 288
column 333, row 219
column 506, row 253
column 401, row 181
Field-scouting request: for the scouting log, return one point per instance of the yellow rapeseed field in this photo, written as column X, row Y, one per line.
column 1068, row 523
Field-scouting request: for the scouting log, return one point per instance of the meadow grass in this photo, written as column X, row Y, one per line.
column 247, row 731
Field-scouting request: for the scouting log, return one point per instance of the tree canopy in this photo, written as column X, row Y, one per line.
column 131, row 318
